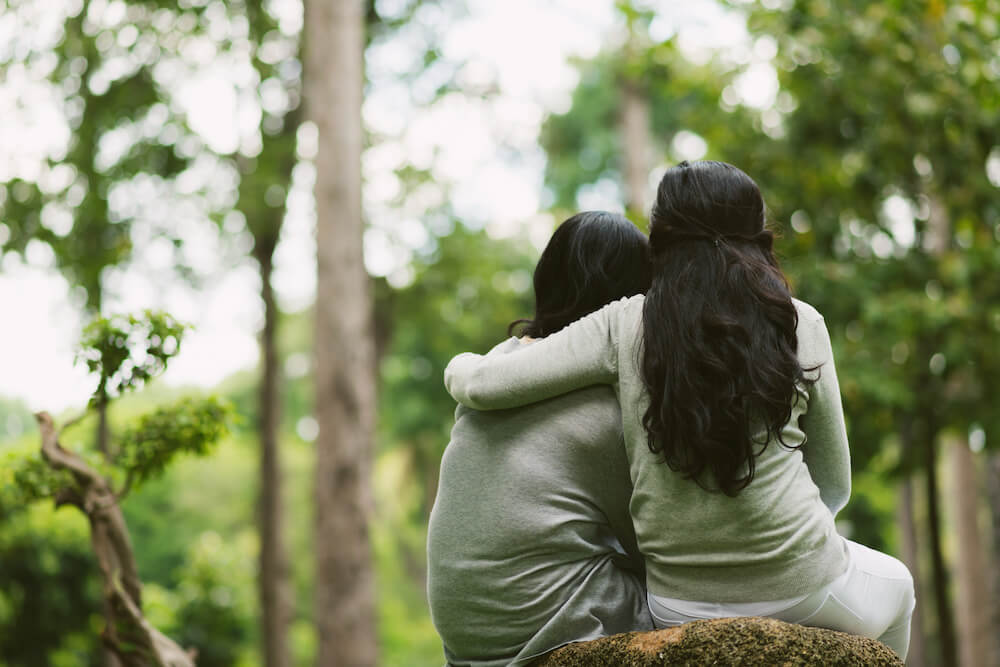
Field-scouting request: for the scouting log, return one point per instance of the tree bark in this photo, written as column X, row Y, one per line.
column 973, row 608
column 909, row 546
column 635, row 146
column 274, row 589
column 973, row 601
column 134, row 642
column 993, row 489
column 109, row 657
column 946, row 625
column 635, row 132
column 345, row 371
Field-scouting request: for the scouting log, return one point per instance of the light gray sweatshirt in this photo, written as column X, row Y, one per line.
column 525, row 540
column 775, row 540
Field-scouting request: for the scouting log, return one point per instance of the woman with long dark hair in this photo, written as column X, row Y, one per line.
column 732, row 419
column 530, row 545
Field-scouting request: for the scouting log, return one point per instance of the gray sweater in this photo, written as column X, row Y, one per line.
column 525, row 538
column 775, row 540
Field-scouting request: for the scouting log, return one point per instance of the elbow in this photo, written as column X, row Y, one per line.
column 465, row 394
column 463, row 382
column 838, row 500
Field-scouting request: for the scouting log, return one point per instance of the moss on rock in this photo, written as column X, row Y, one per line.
column 725, row 641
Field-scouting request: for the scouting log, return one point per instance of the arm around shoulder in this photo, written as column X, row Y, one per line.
column 582, row 354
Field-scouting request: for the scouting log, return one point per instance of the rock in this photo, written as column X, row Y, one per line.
column 725, row 641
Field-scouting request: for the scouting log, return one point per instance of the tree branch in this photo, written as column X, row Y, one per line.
column 109, row 536
column 60, row 458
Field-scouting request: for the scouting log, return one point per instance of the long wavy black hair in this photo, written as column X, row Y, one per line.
column 592, row 259
column 719, row 347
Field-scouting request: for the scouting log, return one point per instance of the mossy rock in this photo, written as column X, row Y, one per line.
column 725, row 641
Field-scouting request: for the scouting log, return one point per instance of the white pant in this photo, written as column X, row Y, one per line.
column 873, row 598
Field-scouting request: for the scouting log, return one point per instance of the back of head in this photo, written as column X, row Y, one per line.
column 719, row 347
column 592, row 259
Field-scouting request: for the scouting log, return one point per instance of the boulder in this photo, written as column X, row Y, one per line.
column 725, row 641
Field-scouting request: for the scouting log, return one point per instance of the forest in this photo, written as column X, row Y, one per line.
column 376, row 179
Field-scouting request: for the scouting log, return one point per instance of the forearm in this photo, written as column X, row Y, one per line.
column 582, row 354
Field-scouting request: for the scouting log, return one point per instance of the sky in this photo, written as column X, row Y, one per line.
column 476, row 147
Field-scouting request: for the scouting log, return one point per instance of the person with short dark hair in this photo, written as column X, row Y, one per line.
column 732, row 419
column 530, row 545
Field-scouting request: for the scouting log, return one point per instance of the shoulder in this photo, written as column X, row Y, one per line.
column 806, row 312
column 588, row 415
column 632, row 302
column 812, row 325
column 626, row 309
column 624, row 305
column 813, row 337
column 506, row 346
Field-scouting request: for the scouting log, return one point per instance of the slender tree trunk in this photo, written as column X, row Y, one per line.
column 635, row 133
column 635, row 146
column 973, row 605
column 103, row 429
column 973, row 600
column 946, row 625
column 911, row 556
column 993, row 489
column 345, row 370
column 275, row 591
column 109, row 657
column 103, row 439
column 909, row 543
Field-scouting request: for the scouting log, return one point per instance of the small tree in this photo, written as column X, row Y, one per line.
column 124, row 352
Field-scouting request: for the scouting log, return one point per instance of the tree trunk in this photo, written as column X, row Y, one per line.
column 973, row 601
column 109, row 657
column 973, row 609
column 103, row 429
column 993, row 489
column 635, row 147
column 274, row 589
column 911, row 556
column 345, row 370
column 946, row 625
column 103, row 435
column 635, row 121
column 129, row 636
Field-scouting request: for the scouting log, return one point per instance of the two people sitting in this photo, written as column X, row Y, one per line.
column 664, row 442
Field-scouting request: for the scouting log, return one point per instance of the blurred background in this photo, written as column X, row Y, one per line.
column 155, row 154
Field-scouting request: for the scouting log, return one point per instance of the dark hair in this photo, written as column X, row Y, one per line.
column 592, row 259
column 719, row 347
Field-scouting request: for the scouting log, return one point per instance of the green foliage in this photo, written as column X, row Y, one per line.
column 15, row 419
column 47, row 573
column 191, row 426
column 877, row 135
column 126, row 351
column 406, row 634
column 25, row 477
column 104, row 83
column 215, row 493
column 472, row 285
column 216, row 603
column 887, row 106
column 584, row 146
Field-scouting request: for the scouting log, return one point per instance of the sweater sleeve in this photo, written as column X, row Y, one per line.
column 582, row 354
column 826, row 452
